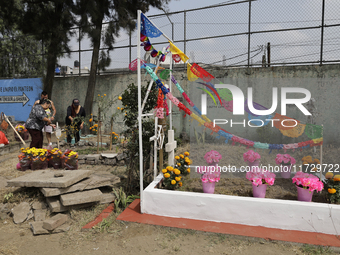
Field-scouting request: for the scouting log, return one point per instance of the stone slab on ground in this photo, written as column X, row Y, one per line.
column 93, row 157
column 109, row 155
column 55, row 205
column 37, row 228
column 55, row 221
column 20, row 212
column 50, row 178
column 82, row 197
column 94, row 181
column 37, row 205
column 107, row 198
column 39, row 215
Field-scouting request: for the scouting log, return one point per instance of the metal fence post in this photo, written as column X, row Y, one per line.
column 79, row 53
column 185, row 32
column 249, row 25
column 322, row 30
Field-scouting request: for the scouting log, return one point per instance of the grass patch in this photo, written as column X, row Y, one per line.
column 316, row 250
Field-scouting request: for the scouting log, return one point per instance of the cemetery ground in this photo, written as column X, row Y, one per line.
column 117, row 237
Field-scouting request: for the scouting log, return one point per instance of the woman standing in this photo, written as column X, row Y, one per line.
column 36, row 122
column 74, row 120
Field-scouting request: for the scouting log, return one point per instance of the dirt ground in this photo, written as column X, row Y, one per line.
column 114, row 237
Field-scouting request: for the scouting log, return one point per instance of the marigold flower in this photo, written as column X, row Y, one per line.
column 90, row 120
column 180, row 184
column 115, row 137
column 104, row 95
column 329, row 175
column 125, row 114
column 177, row 172
column 181, row 155
column 166, row 175
column 186, row 153
column 177, row 157
column 331, row 191
column 120, row 98
column 169, row 168
column 188, row 170
column 164, row 171
column 173, row 182
column 98, row 95
column 177, row 179
column 179, row 164
column 118, row 108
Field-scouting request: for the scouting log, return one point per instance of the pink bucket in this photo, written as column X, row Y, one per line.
column 304, row 194
column 208, row 187
column 259, row 191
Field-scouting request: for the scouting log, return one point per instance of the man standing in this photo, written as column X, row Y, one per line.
column 51, row 116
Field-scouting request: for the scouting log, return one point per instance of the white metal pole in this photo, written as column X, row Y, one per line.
column 155, row 151
column 170, row 88
column 140, row 112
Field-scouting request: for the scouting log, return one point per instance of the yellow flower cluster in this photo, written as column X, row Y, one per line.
column 35, row 152
column 73, row 154
column 56, row 151
column 115, row 135
column 172, row 177
column 309, row 160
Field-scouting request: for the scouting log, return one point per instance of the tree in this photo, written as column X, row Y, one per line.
column 119, row 14
column 51, row 22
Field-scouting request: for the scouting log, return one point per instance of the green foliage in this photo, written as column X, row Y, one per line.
column 183, row 163
column 8, row 196
column 122, row 201
column 315, row 250
column 129, row 101
column 333, row 188
column 200, row 137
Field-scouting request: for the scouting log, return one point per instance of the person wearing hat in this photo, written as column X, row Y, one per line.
column 74, row 120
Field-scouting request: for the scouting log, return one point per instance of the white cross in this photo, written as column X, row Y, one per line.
column 170, row 147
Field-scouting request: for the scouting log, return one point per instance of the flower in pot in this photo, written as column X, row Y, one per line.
column 252, row 158
column 308, row 163
column 332, row 185
column 260, row 179
column 183, row 162
column 286, row 161
column 172, row 178
column 208, row 181
column 306, row 184
column 212, row 157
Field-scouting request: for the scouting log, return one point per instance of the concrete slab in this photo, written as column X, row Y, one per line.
column 94, row 181
column 20, row 212
column 109, row 155
column 55, row 221
column 38, row 205
column 107, row 198
column 37, row 228
column 55, row 205
column 39, row 215
column 93, row 157
column 3, row 182
column 50, row 178
column 82, row 197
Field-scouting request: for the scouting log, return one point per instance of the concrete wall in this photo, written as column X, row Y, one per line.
column 321, row 81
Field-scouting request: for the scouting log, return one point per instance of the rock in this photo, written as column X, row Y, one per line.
column 81, row 143
column 82, row 197
column 91, row 144
column 55, row 221
column 3, row 182
column 39, row 215
column 120, row 156
column 121, row 163
column 30, row 215
column 20, row 212
column 4, row 208
column 4, row 216
column 38, row 205
column 110, row 161
column 93, row 157
column 81, row 157
column 37, row 228
column 81, row 161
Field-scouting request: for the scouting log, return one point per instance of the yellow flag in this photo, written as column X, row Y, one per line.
column 190, row 74
column 175, row 50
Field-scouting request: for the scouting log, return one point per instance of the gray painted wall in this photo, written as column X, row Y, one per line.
column 321, row 81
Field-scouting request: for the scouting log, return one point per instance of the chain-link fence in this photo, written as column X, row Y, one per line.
column 245, row 33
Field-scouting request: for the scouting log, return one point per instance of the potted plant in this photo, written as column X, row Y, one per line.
column 332, row 184
column 252, row 158
column 260, row 179
column 172, row 178
column 308, row 163
column 54, row 158
column 70, row 160
column 208, row 181
column 286, row 161
column 183, row 162
column 306, row 184
column 212, row 157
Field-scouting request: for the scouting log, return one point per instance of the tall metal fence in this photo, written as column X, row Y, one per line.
column 249, row 33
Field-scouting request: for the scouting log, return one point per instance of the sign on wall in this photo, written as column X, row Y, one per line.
column 17, row 96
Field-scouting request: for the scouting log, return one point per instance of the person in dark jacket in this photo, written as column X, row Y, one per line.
column 74, row 120
column 37, row 121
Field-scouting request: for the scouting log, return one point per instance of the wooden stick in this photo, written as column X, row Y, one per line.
column 15, row 130
column 111, row 133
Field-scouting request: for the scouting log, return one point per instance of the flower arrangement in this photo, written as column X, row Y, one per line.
column 308, row 181
column 54, row 158
column 172, row 178
column 212, row 157
column 211, row 177
column 251, row 156
column 22, row 131
column 38, row 158
column 70, row 160
column 94, row 129
column 115, row 137
column 309, row 161
column 332, row 183
column 284, row 159
column 24, row 159
column 259, row 176
column 182, row 163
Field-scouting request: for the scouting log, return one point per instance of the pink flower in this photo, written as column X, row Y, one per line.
column 251, row 156
column 258, row 177
column 212, row 157
column 308, row 181
column 284, row 158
